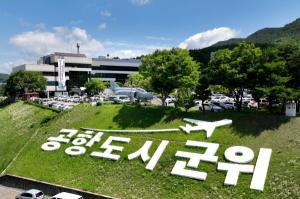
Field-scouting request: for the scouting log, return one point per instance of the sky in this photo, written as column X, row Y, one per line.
column 129, row 28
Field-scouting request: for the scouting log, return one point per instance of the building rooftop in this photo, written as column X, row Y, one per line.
column 117, row 60
column 69, row 54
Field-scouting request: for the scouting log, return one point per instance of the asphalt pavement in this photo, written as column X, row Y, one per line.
column 8, row 193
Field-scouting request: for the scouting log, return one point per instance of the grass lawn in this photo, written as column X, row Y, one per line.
column 18, row 122
column 130, row 179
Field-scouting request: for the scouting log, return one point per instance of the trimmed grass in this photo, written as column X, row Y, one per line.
column 130, row 179
column 18, row 122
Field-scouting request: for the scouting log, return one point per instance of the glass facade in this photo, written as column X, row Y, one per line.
column 52, row 83
column 119, row 77
column 77, row 79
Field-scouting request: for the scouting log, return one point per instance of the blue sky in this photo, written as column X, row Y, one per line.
column 128, row 28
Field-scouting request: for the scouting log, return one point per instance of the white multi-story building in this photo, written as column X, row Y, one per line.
column 65, row 71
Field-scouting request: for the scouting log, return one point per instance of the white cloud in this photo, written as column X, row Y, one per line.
column 208, row 38
column 102, row 26
column 105, row 13
column 38, row 43
column 124, row 50
column 140, row 2
column 34, row 44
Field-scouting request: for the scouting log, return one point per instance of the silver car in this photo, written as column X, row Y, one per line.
column 31, row 194
column 211, row 107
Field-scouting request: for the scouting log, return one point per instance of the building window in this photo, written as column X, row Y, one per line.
column 53, row 74
column 52, row 83
column 115, row 68
column 77, row 79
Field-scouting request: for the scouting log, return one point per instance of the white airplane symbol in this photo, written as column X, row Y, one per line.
column 209, row 127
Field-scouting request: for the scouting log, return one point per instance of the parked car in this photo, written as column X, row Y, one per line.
column 65, row 195
column 264, row 102
column 232, row 104
column 224, row 105
column 211, row 107
column 31, row 194
column 120, row 99
column 198, row 102
column 171, row 99
column 220, row 98
column 253, row 104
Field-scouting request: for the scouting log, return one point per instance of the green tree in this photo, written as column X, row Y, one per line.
column 185, row 98
column 94, row 86
column 289, row 50
column 168, row 70
column 203, row 91
column 218, row 89
column 24, row 81
column 230, row 68
column 138, row 80
column 273, row 77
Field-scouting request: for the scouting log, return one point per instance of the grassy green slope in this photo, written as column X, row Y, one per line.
column 130, row 179
column 18, row 122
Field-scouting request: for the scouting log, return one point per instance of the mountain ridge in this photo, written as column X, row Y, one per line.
column 268, row 35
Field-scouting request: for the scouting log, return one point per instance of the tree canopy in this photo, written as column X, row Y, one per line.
column 94, row 86
column 168, row 70
column 230, row 68
column 138, row 80
column 24, row 81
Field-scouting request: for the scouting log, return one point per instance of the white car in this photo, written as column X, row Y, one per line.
column 65, row 195
column 220, row 98
column 253, row 104
column 31, row 194
column 198, row 102
column 170, row 99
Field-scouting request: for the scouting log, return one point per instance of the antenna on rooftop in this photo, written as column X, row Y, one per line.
column 78, row 46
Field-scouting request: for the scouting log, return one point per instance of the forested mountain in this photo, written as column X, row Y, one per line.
column 261, row 38
column 269, row 35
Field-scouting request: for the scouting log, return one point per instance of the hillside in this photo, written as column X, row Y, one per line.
column 130, row 179
column 18, row 123
column 262, row 38
column 3, row 77
column 269, row 35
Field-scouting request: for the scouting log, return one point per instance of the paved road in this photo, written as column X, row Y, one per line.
column 8, row 193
